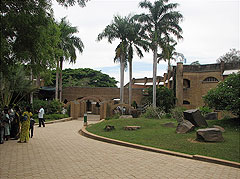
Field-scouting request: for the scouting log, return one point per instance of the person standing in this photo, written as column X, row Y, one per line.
column 1, row 129
column 15, row 125
column 40, row 116
column 24, row 135
column 6, row 123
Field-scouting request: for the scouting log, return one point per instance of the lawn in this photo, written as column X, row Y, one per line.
column 153, row 134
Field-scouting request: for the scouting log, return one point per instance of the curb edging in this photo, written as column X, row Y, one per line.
column 85, row 133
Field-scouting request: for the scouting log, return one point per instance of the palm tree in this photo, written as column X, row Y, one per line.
column 136, row 41
column 161, row 21
column 118, row 29
column 68, row 44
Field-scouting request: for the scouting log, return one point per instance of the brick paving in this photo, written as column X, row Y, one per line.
column 58, row 151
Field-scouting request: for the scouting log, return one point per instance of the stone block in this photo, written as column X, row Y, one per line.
column 195, row 117
column 211, row 116
column 209, row 135
column 184, row 127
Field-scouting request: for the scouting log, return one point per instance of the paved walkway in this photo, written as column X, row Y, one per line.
column 58, row 151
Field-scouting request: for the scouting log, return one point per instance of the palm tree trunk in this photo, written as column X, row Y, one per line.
column 122, row 79
column 154, row 76
column 130, row 82
column 31, row 94
column 57, row 76
column 168, row 74
column 60, row 79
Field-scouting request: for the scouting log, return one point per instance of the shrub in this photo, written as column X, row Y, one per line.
column 154, row 113
column 50, row 107
column 205, row 110
column 177, row 113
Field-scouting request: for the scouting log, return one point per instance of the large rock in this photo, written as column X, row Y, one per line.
column 125, row 117
column 209, row 135
column 211, row 116
column 195, row 117
column 184, row 127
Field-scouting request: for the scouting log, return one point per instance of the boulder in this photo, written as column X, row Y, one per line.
column 125, row 116
column 195, row 117
column 211, row 116
column 209, row 135
column 169, row 124
column 184, row 127
column 130, row 128
column 109, row 128
column 219, row 127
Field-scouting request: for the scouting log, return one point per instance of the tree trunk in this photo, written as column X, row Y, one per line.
column 60, row 79
column 57, row 75
column 122, row 79
column 130, row 83
column 154, row 76
column 168, row 74
column 31, row 94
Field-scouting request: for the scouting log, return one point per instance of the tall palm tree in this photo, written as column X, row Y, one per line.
column 160, row 22
column 136, row 41
column 118, row 29
column 68, row 44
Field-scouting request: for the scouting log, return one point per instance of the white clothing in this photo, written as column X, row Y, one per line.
column 41, row 113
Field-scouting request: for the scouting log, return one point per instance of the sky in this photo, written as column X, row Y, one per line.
column 210, row 29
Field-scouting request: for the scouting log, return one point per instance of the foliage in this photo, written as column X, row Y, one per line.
column 154, row 113
column 177, row 113
column 86, row 77
column 230, row 57
column 205, row 110
column 195, row 63
column 49, row 117
column 165, row 98
column 14, row 86
column 154, row 134
column 50, row 107
column 160, row 23
column 226, row 95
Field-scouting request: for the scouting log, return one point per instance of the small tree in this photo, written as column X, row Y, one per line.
column 226, row 96
column 230, row 57
column 165, row 98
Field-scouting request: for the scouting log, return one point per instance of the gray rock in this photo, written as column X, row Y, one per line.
column 125, row 116
column 169, row 124
column 130, row 128
column 209, row 135
column 211, row 116
column 109, row 128
column 219, row 127
column 195, row 117
column 184, row 127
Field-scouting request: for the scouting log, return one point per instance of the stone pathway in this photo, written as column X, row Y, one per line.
column 58, row 151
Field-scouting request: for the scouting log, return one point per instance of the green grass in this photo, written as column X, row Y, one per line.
column 153, row 134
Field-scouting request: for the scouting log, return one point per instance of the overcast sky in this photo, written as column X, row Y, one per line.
column 210, row 29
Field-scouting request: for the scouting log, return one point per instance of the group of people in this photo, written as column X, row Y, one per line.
column 16, row 124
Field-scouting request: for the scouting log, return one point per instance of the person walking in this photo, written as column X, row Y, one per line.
column 24, row 135
column 40, row 116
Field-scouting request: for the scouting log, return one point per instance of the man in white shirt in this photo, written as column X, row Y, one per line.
column 40, row 117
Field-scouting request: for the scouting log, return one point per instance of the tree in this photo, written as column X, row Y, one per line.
column 195, row 63
column 68, row 44
column 14, row 86
column 118, row 29
column 165, row 98
column 230, row 57
column 136, row 41
column 161, row 22
column 86, row 77
column 226, row 95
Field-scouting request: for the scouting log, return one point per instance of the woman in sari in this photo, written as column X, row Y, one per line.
column 24, row 135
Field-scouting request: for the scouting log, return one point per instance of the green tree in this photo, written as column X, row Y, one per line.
column 195, row 63
column 118, row 29
column 226, row 96
column 86, row 77
column 161, row 22
column 68, row 44
column 230, row 57
column 14, row 86
column 165, row 98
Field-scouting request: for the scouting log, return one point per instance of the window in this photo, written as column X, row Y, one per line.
column 186, row 83
column 186, row 102
column 210, row 79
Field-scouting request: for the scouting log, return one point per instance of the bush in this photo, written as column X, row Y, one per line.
column 177, row 113
column 52, row 116
column 226, row 95
column 205, row 110
column 50, row 107
column 165, row 98
column 154, row 113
